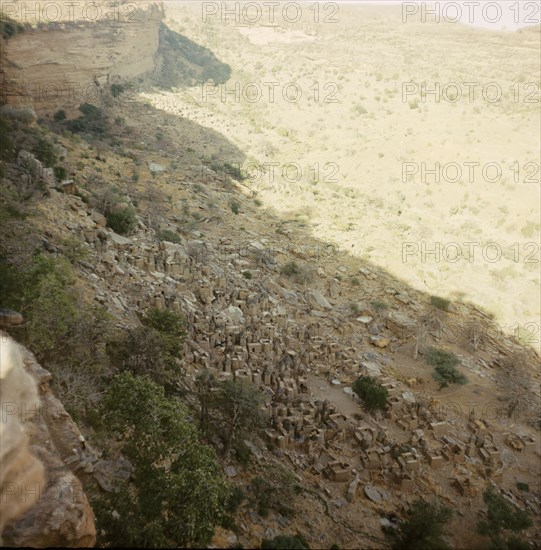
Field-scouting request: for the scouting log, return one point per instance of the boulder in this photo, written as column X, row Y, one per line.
column 317, row 300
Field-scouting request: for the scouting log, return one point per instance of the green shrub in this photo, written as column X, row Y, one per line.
column 285, row 542
column 60, row 115
column 372, row 393
column 235, row 206
column 9, row 27
column 247, row 274
column 177, row 495
column 60, row 173
column 521, row 486
column 122, row 221
column 440, row 303
column 169, row 236
column 44, row 151
column 93, row 120
column 445, row 371
column 298, row 273
column 378, row 305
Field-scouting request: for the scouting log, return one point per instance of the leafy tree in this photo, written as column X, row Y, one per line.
column 177, row 494
column 502, row 515
column 172, row 329
column 445, row 371
column 45, row 152
column 424, row 529
column 285, row 542
column 239, row 404
column 373, row 394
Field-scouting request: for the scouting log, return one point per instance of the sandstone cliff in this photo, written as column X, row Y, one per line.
column 42, row 503
column 66, row 60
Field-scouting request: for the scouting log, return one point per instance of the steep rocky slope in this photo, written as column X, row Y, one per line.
column 267, row 302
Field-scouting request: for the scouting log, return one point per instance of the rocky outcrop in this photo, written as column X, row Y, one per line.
column 43, row 503
column 19, row 468
column 71, row 58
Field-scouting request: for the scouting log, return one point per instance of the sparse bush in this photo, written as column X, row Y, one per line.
column 44, row 151
column 60, row 115
column 122, row 221
column 440, row 303
column 9, row 27
column 379, row 306
column 355, row 281
column 235, row 206
column 300, row 274
column 372, row 393
column 445, row 371
column 60, row 173
column 285, row 542
column 169, row 236
column 247, row 274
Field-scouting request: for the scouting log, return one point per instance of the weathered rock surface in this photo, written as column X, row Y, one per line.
column 43, row 503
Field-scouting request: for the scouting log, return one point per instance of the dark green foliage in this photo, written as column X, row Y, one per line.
column 60, row 115
column 9, row 27
column 235, row 206
column 6, row 144
column 285, row 542
column 118, row 89
column 378, row 305
column 44, row 152
column 502, row 515
column 247, row 274
column 122, row 221
column 440, row 303
column 177, row 494
column 291, row 268
column 424, row 529
column 93, row 120
column 172, row 328
column 154, row 349
column 60, row 173
column 169, row 236
column 521, row 486
column 373, row 394
column 445, row 371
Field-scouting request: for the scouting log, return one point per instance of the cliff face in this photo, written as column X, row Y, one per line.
column 43, row 503
column 61, row 64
